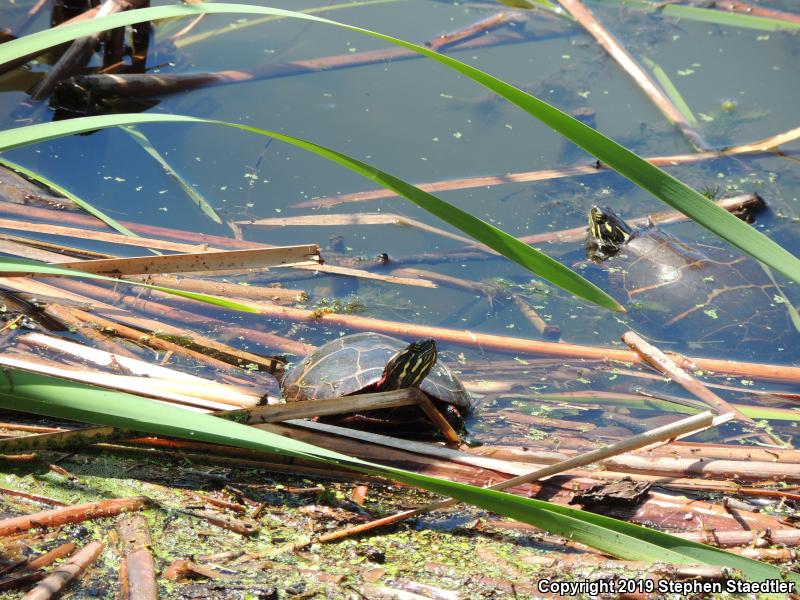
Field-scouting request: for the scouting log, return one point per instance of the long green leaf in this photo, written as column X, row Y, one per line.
column 651, row 178
column 495, row 238
column 196, row 197
column 41, row 394
column 23, row 265
column 671, row 90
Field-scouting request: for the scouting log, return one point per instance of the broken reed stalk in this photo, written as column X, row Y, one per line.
column 351, row 219
column 58, row 579
column 666, row 366
column 72, row 514
column 101, row 236
column 137, row 570
column 481, row 27
column 225, row 288
column 768, row 145
column 219, row 503
column 663, row 434
column 657, row 96
column 436, row 417
column 183, row 568
column 224, row 260
column 274, row 413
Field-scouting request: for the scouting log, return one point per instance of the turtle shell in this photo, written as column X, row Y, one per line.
column 353, row 363
column 711, row 298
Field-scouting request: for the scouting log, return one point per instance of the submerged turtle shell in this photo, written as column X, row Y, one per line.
column 717, row 299
column 355, row 362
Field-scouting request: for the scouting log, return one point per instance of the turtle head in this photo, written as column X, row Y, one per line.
column 409, row 367
column 607, row 233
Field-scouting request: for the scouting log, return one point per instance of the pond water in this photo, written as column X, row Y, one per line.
column 425, row 123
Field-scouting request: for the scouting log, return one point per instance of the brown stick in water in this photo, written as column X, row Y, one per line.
column 482, row 27
column 768, row 145
column 665, row 365
column 64, row 574
column 137, row 570
column 72, row 514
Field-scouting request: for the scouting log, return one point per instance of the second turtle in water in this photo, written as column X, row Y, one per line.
column 724, row 304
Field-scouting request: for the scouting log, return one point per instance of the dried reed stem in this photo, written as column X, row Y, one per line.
column 223, row 260
column 137, row 570
column 767, row 145
column 72, row 514
column 58, row 579
column 665, row 365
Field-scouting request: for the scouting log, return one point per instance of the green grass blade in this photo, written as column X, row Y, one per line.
column 505, row 244
column 706, row 15
column 33, row 267
column 193, row 194
column 671, row 91
column 41, row 394
column 67, row 194
column 651, row 178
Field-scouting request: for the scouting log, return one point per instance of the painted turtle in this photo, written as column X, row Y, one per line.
column 676, row 292
column 372, row 362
